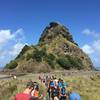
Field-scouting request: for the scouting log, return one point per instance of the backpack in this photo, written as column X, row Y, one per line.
column 52, row 84
column 60, row 84
column 63, row 91
column 56, row 92
column 35, row 93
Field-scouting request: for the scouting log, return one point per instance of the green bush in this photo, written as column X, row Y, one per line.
column 28, row 57
column 12, row 65
column 70, row 62
column 51, row 56
column 76, row 62
column 64, row 62
column 51, row 60
column 38, row 55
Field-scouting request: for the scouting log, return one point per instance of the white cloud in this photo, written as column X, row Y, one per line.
column 5, row 35
column 19, row 35
column 93, row 50
column 92, row 33
column 88, row 49
column 86, row 32
column 16, row 49
column 11, row 44
column 96, row 46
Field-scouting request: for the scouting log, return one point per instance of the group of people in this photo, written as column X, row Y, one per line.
column 56, row 89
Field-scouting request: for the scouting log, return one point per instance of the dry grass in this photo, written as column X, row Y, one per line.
column 87, row 86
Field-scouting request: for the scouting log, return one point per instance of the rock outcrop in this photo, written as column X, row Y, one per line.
column 56, row 50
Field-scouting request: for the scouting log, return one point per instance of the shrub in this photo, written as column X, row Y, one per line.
column 51, row 56
column 51, row 60
column 12, row 65
column 64, row 62
column 38, row 55
column 28, row 57
column 76, row 62
column 70, row 62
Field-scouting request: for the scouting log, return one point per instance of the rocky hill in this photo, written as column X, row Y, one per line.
column 56, row 50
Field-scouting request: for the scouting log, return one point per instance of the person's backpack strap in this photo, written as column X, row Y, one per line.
column 63, row 91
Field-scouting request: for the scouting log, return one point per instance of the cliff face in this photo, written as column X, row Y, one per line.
column 56, row 50
column 53, row 30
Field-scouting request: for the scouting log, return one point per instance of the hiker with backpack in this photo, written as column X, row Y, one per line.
column 51, row 86
column 59, row 83
column 55, row 93
column 63, row 93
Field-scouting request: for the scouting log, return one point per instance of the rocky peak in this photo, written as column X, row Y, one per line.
column 53, row 30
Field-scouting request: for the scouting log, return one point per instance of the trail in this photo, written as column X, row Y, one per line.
column 4, row 77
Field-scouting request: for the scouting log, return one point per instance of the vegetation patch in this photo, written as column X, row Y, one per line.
column 69, row 62
column 39, row 55
column 25, row 48
column 50, row 59
column 11, row 65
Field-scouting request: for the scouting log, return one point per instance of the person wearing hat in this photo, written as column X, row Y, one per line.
column 26, row 94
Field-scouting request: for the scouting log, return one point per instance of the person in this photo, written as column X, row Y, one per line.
column 46, row 81
column 55, row 93
column 63, row 93
column 56, row 82
column 51, row 86
column 35, row 92
column 74, row 96
column 26, row 94
column 40, row 78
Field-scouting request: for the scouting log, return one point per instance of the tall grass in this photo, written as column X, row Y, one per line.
column 87, row 86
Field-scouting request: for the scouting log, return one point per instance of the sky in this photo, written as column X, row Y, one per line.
column 22, row 22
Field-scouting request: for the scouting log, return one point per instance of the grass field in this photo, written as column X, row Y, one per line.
column 88, row 86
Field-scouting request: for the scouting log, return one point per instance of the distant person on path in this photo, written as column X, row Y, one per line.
column 26, row 94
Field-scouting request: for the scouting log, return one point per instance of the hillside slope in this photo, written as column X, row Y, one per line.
column 56, row 50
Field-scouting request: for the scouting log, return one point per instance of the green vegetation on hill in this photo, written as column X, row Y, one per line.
column 56, row 50
column 70, row 62
column 25, row 48
column 38, row 55
column 11, row 65
column 51, row 60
